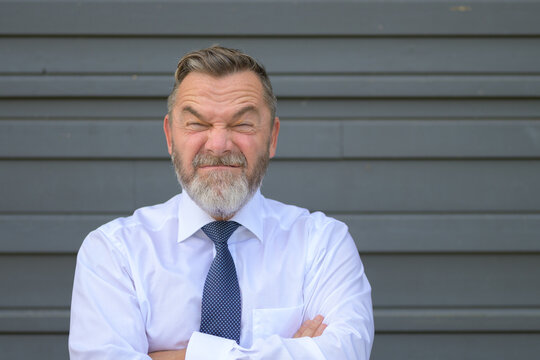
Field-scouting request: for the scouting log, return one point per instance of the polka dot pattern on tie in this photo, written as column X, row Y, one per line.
column 221, row 308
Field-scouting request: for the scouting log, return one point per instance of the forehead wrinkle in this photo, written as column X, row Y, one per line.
column 208, row 95
column 205, row 108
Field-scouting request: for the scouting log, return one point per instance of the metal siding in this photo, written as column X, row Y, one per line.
column 31, row 346
column 267, row 17
column 365, row 55
column 417, row 124
column 289, row 86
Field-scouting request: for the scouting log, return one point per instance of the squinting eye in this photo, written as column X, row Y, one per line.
column 196, row 126
column 243, row 127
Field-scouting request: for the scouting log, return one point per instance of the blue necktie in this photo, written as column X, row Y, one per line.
column 221, row 309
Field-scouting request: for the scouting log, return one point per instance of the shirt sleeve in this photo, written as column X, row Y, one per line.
column 106, row 321
column 335, row 287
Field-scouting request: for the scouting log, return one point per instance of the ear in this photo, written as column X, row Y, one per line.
column 168, row 132
column 274, row 137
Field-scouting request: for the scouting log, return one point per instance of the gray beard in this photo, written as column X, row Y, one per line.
column 221, row 193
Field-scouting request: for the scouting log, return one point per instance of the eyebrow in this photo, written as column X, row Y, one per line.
column 194, row 112
column 237, row 115
column 244, row 110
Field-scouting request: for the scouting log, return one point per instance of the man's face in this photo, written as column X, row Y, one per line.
column 220, row 136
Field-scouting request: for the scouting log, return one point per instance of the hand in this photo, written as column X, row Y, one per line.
column 168, row 355
column 311, row 328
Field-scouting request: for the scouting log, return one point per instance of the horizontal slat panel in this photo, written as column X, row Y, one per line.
column 432, row 139
column 36, row 281
column 456, row 346
column 386, row 320
column 47, row 233
column 398, row 280
column 270, row 18
column 435, row 280
column 50, row 186
column 34, row 346
column 372, row 186
column 458, row 320
column 83, row 139
column 145, row 108
column 34, row 320
column 373, row 233
column 444, row 233
column 280, row 55
column 298, row 139
column 407, row 86
column 284, row 86
column 142, row 139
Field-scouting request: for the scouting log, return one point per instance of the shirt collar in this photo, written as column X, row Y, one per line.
column 191, row 218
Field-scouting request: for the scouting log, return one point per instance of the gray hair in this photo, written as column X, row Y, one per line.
column 219, row 61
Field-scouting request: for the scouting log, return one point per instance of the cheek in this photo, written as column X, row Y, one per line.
column 253, row 149
column 189, row 146
column 246, row 145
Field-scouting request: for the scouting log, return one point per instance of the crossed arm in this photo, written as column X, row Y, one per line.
column 334, row 285
column 310, row 328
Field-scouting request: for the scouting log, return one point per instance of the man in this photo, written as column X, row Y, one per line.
column 219, row 271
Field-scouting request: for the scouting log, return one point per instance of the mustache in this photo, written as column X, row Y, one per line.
column 231, row 159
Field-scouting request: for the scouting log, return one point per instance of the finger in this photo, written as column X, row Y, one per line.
column 301, row 330
column 320, row 330
column 305, row 326
column 309, row 327
column 312, row 326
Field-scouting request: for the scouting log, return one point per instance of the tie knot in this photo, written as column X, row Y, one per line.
column 220, row 231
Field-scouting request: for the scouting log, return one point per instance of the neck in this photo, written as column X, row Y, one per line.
column 221, row 218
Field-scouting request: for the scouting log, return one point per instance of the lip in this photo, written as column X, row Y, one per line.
column 210, row 167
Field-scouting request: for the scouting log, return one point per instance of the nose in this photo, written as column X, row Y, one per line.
column 219, row 141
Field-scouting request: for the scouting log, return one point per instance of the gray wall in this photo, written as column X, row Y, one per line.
column 418, row 123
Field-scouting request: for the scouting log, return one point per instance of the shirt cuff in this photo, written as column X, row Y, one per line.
column 208, row 347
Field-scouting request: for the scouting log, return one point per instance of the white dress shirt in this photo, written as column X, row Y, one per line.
column 139, row 282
